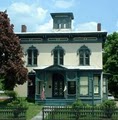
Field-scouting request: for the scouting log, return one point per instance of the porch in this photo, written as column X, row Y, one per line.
column 56, row 102
column 59, row 85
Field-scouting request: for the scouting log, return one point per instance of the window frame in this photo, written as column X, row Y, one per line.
column 32, row 59
column 58, row 55
column 97, row 85
column 84, row 56
column 71, row 89
column 81, row 86
column 104, row 85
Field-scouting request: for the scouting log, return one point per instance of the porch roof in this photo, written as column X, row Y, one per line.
column 66, row 67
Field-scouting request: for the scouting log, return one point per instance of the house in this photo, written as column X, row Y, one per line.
column 64, row 65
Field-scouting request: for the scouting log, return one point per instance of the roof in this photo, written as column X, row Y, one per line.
column 61, row 33
column 100, row 35
column 66, row 67
column 70, row 14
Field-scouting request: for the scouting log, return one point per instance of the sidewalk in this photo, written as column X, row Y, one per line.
column 38, row 116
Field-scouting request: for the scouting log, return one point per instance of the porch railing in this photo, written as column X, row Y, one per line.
column 83, row 113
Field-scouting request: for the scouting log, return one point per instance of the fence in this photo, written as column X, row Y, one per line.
column 12, row 113
column 84, row 113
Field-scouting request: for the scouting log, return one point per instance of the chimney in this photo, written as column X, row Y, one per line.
column 99, row 27
column 23, row 28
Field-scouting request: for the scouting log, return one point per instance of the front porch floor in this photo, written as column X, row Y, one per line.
column 56, row 102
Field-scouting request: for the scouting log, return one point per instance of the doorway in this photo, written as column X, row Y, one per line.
column 57, row 85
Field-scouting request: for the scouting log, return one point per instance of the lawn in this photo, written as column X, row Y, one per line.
column 33, row 110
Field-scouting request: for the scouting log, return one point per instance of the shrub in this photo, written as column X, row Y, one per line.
column 18, row 103
column 109, row 107
column 18, row 106
column 77, row 104
column 11, row 94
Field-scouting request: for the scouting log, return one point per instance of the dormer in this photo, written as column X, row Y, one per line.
column 62, row 21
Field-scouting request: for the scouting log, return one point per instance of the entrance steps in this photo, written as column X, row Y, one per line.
column 57, row 102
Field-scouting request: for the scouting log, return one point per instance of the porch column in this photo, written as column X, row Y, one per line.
column 77, row 87
column 45, row 83
column 65, row 86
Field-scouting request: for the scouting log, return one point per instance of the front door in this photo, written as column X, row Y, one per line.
column 58, row 86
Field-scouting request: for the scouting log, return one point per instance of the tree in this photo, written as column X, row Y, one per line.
column 11, row 63
column 111, row 61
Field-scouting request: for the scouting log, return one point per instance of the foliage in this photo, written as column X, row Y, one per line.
column 18, row 106
column 111, row 61
column 109, row 104
column 109, row 107
column 11, row 63
column 1, row 83
column 78, row 104
column 11, row 94
column 20, row 103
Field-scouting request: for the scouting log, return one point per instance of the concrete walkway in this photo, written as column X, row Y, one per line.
column 38, row 116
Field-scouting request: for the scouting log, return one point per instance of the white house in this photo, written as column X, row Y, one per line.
column 64, row 65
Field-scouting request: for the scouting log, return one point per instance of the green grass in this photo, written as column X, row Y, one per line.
column 33, row 110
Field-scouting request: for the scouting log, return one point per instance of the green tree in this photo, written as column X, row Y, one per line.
column 11, row 63
column 111, row 61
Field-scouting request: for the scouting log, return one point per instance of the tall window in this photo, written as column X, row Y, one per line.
column 104, row 85
column 96, row 84
column 71, row 87
column 32, row 56
column 84, row 55
column 58, row 53
column 84, row 85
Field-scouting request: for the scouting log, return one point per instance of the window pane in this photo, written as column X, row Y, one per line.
column 29, row 53
column 71, row 87
column 56, row 57
column 83, row 90
column 81, row 59
column 96, row 84
column 35, row 57
column 29, row 61
column 84, row 81
column 61, row 57
column 86, row 59
column 84, row 55
column 35, row 61
column 104, row 86
column 35, row 53
column 83, row 85
column 96, row 90
column 61, row 61
column 96, row 81
column 29, row 57
column 104, row 89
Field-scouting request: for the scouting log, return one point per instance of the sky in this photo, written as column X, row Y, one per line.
column 35, row 14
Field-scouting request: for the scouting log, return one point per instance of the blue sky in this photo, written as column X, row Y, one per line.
column 35, row 14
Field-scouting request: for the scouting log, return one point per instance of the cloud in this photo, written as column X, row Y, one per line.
column 20, row 8
column 29, row 14
column 46, row 27
column 64, row 3
column 89, row 26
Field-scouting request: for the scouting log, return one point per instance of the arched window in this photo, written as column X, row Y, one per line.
column 32, row 56
column 58, row 53
column 84, row 55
